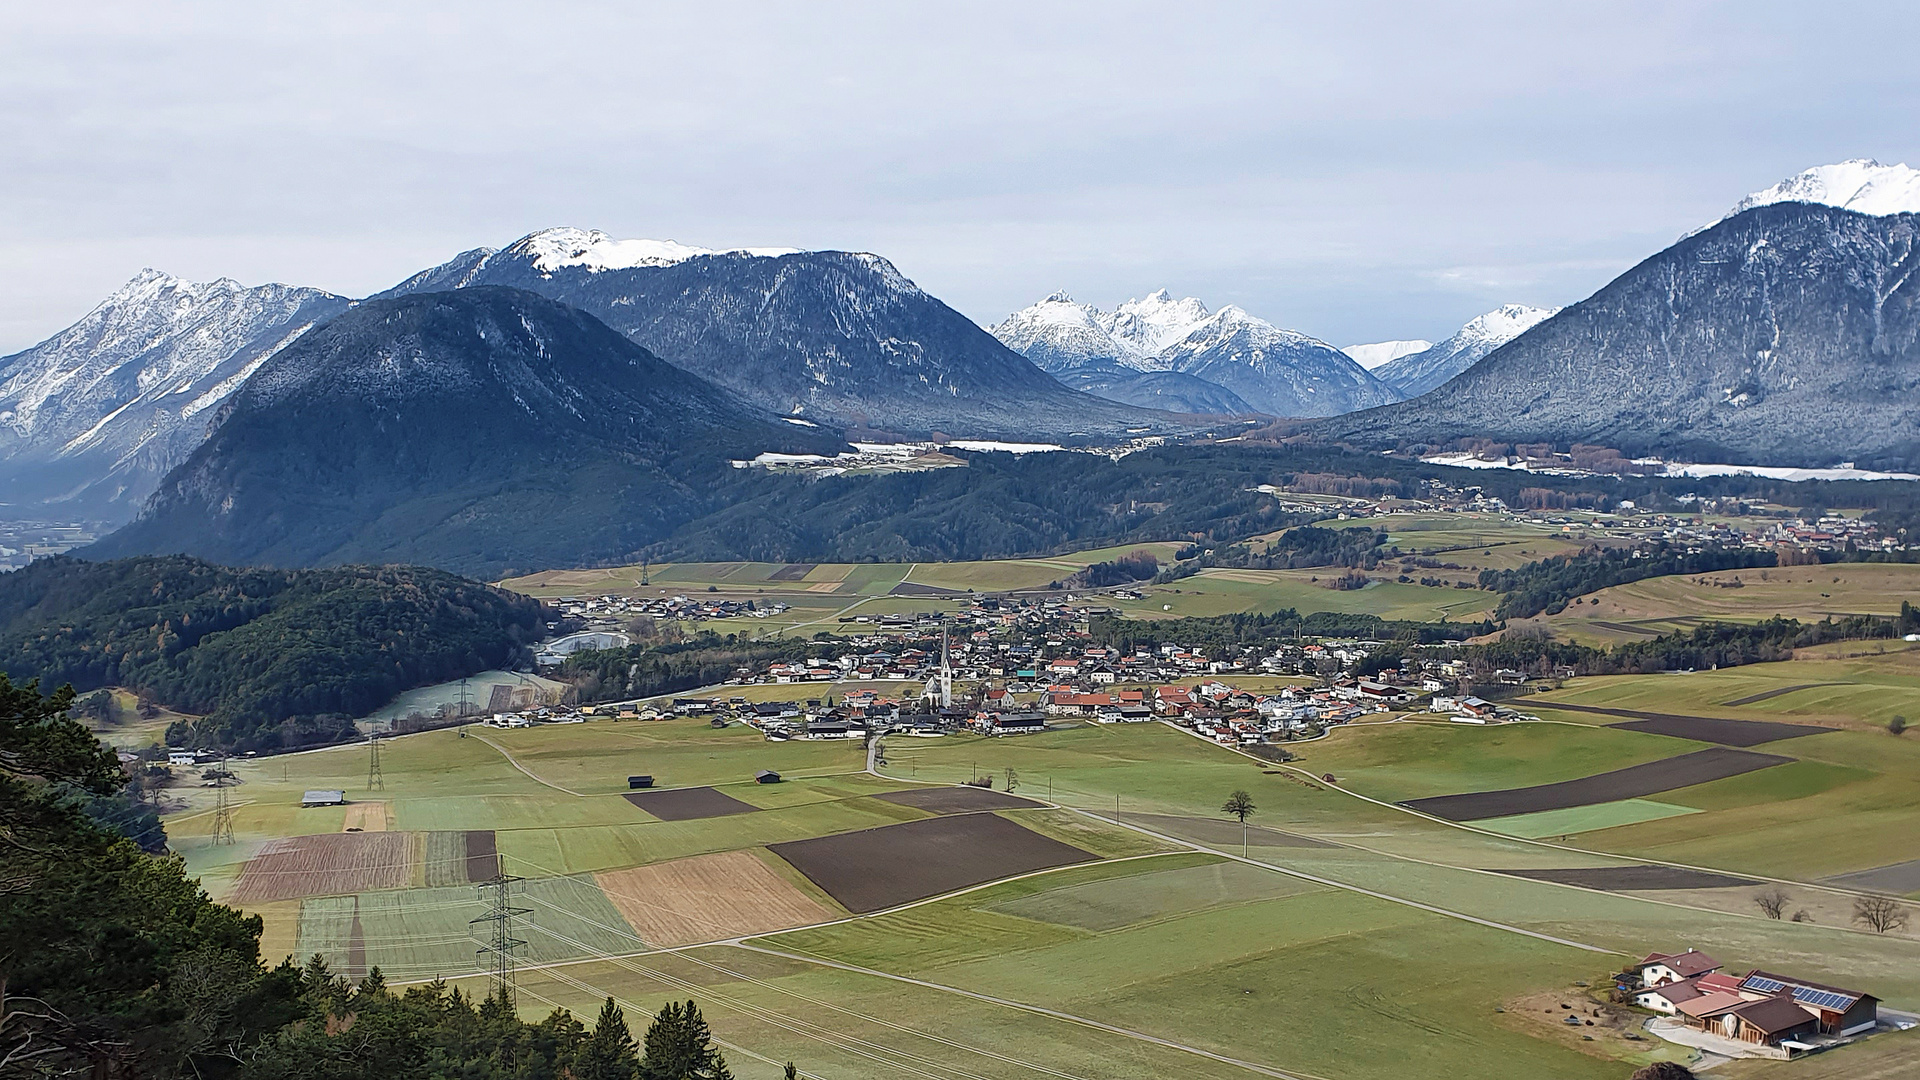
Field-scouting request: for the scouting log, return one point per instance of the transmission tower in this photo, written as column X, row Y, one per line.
column 375, row 781
column 222, row 810
column 500, row 944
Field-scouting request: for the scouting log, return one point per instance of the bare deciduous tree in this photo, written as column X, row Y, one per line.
column 1879, row 913
column 1772, row 902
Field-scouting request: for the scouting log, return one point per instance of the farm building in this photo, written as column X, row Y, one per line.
column 324, row 797
column 634, row 782
column 1840, row 1012
column 1761, row 1008
column 766, row 776
column 1660, row 968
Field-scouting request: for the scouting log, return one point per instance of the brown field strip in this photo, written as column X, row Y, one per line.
column 1767, row 695
column 1621, row 878
column 329, row 864
column 1698, row 728
column 957, row 800
column 792, row 572
column 874, row 869
column 1686, row 770
column 914, row 588
column 368, row 817
column 708, row 897
column 483, row 858
column 688, row 804
column 1902, row 878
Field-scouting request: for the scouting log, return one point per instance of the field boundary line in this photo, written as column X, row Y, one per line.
column 529, row 772
column 1349, row 887
column 1038, row 1010
column 1568, row 848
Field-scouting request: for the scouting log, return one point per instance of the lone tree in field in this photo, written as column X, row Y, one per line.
column 1773, row 902
column 679, row 1046
column 1879, row 913
column 1897, row 725
column 1240, row 805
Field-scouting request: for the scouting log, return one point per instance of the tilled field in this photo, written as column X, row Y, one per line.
column 1633, row 782
column 874, row 869
column 688, row 804
column 1619, row 878
column 708, row 897
column 329, row 864
column 1707, row 729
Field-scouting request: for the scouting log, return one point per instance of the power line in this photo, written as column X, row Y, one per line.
column 222, row 810
column 501, row 944
column 375, row 781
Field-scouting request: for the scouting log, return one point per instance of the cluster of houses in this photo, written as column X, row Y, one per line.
column 1761, row 1008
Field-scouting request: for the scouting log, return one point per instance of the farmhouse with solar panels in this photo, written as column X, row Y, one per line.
column 1763, row 1008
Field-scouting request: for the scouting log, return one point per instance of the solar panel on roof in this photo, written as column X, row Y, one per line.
column 1764, row 984
column 1826, row 999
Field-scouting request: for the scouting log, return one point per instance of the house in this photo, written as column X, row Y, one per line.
column 1769, row 1021
column 184, row 758
column 1660, row 968
column 1670, row 997
column 1839, row 1012
column 324, row 797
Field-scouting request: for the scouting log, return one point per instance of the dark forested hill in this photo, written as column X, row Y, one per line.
column 839, row 336
column 472, row 430
column 261, row 653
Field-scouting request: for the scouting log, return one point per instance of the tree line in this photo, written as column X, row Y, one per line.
column 1548, row 585
column 115, row 965
column 272, row 659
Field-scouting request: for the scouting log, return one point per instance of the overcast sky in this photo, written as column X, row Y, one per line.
column 1356, row 171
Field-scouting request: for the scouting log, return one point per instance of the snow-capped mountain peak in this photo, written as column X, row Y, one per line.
column 1418, row 372
column 99, row 411
column 1504, row 323
column 1374, row 354
column 554, row 249
column 1862, row 185
column 1149, row 325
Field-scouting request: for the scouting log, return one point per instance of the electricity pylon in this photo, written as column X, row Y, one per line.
column 501, row 943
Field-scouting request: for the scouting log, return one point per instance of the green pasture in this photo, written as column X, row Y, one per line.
column 1226, row 592
column 1405, row 760
column 1580, row 819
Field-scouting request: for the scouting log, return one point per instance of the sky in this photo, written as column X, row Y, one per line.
column 1358, row 171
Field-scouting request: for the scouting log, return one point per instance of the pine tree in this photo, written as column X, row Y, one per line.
column 679, row 1046
column 608, row 1053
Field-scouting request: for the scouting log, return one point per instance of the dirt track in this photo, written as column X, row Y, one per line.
column 1767, row 694
column 1634, row 782
column 881, row 868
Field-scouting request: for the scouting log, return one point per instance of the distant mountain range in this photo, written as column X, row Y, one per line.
column 1228, row 357
column 1375, row 355
column 93, row 417
column 837, row 336
column 473, row 429
column 1415, row 373
column 1787, row 333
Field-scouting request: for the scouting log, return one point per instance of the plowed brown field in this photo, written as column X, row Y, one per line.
column 329, row 864
column 708, row 897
